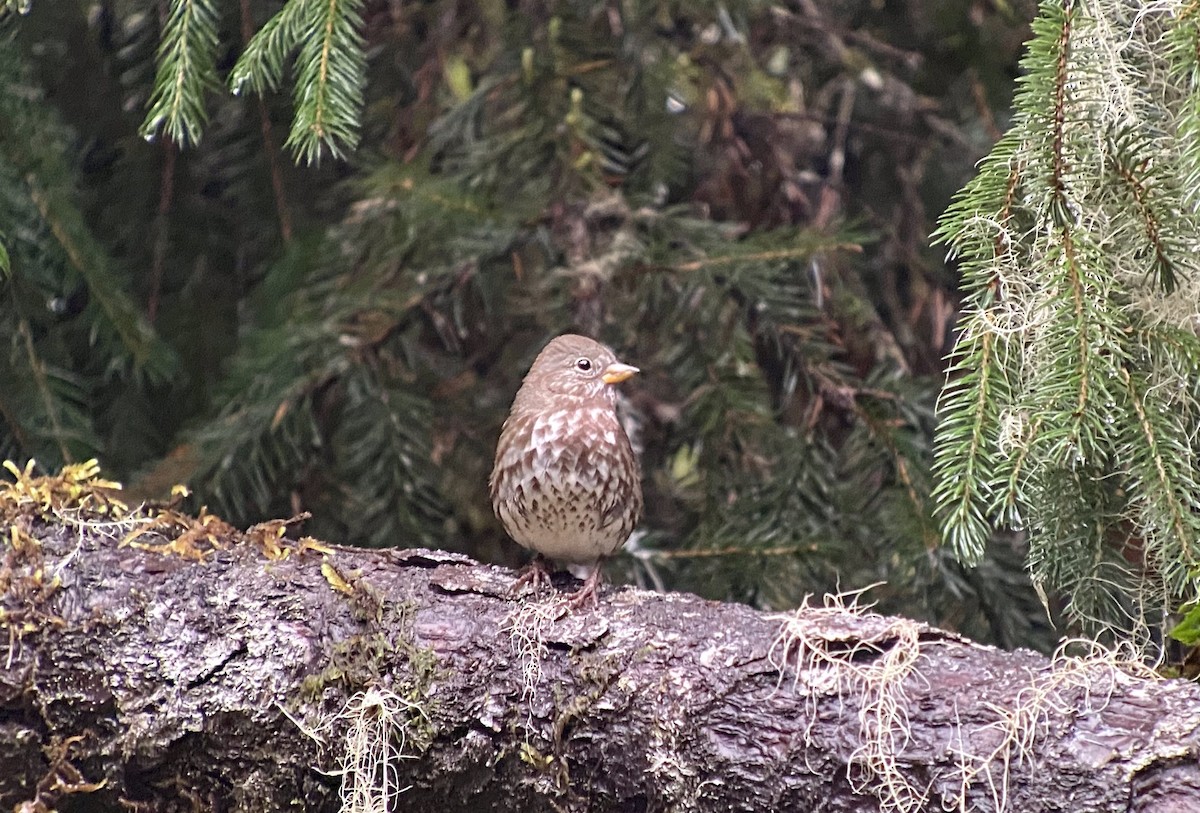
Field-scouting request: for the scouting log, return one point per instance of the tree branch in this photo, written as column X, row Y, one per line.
column 173, row 663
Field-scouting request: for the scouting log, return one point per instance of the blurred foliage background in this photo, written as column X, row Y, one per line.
column 325, row 300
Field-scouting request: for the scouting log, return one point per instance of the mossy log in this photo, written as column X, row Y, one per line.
column 170, row 663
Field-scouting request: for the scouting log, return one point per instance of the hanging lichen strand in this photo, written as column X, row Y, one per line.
column 1071, row 409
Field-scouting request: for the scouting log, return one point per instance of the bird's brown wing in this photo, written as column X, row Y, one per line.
column 623, row 497
column 513, row 445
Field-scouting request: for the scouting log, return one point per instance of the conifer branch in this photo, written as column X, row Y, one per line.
column 1069, row 217
column 260, row 67
column 186, row 72
column 330, row 70
column 1181, row 522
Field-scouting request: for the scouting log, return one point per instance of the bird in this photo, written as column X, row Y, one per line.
column 565, row 482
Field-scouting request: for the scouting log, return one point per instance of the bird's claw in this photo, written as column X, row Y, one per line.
column 535, row 573
column 588, row 594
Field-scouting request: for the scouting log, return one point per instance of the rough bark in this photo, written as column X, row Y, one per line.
column 157, row 676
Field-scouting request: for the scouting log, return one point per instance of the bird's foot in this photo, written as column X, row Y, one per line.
column 536, row 573
column 588, row 594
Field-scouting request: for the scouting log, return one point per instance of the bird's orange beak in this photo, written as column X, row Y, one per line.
column 617, row 372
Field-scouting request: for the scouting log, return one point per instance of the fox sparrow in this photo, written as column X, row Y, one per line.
column 565, row 483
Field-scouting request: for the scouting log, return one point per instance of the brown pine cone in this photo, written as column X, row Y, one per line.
column 565, row 483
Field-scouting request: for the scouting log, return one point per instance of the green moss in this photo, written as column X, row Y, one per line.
column 381, row 658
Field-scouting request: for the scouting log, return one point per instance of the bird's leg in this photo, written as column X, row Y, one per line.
column 589, row 593
column 536, row 573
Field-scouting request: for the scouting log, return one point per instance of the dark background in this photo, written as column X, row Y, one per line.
column 736, row 196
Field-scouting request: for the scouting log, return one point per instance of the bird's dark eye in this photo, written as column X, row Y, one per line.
column 584, row 364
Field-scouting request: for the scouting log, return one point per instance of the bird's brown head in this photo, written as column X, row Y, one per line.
column 572, row 371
